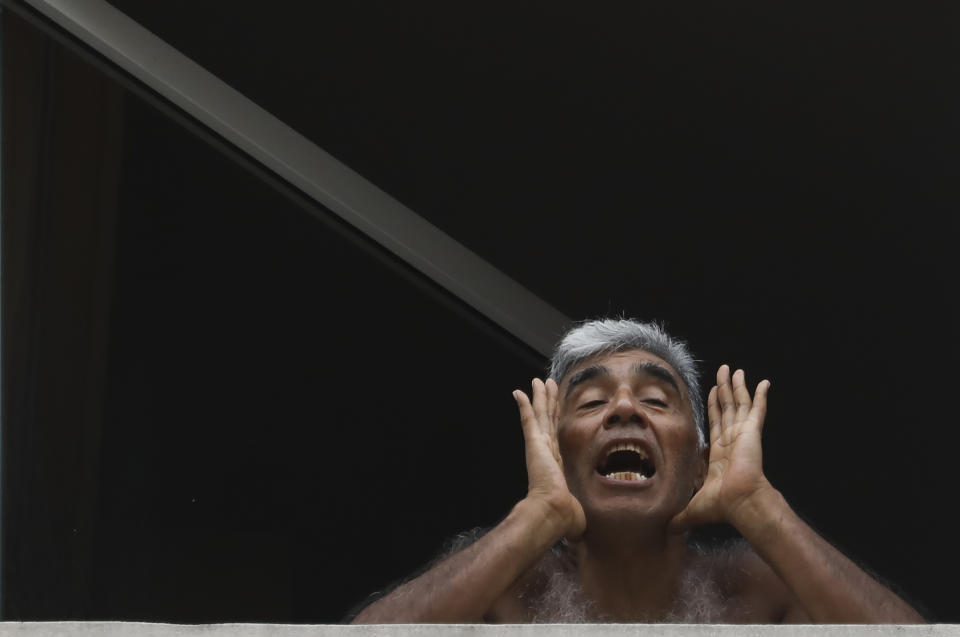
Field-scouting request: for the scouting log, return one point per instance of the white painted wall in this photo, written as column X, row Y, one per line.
column 125, row 629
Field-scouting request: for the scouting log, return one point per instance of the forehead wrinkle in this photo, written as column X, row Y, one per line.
column 585, row 374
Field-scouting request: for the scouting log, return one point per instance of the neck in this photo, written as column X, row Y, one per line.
column 632, row 578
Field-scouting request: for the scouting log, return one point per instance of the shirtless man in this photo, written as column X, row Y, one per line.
column 620, row 468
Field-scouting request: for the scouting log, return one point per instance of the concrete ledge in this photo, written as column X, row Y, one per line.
column 124, row 629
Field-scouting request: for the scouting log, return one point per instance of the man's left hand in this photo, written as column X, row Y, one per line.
column 735, row 470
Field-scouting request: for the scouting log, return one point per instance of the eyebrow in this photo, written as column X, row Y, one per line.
column 585, row 374
column 648, row 368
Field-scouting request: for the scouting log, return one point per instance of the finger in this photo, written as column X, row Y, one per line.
column 552, row 420
column 527, row 419
column 713, row 415
column 552, row 391
column 540, row 404
column 728, row 409
column 741, row 395
column 758, row 413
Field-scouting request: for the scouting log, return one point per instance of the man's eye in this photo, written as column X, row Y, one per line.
column 592, row 403
column 655, row 402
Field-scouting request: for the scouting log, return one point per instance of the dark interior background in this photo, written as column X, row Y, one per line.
column 221, row 405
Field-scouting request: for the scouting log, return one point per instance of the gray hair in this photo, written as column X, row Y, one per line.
column 607, row 336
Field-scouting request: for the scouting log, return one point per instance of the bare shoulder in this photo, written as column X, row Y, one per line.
column 549, row 591
column 755, row 592
column 516, row 605
column 512, row 606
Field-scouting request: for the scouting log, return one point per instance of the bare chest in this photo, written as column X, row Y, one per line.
column 713, row 589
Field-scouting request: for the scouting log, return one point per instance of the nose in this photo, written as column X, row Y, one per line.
column 624, row 410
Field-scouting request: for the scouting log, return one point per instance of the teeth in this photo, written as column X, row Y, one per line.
column 626, row 475
column 629, row 446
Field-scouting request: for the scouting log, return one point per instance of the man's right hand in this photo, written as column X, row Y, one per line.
column 547, row 485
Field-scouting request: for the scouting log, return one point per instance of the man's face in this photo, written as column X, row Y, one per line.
column 628, row 438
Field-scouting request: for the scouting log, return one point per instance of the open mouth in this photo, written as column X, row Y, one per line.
column 627, row 461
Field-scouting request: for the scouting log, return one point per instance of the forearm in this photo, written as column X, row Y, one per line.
column 463, row 587
column 829, row 587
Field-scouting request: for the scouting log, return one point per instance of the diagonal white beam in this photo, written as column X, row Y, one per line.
column 300, row 162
